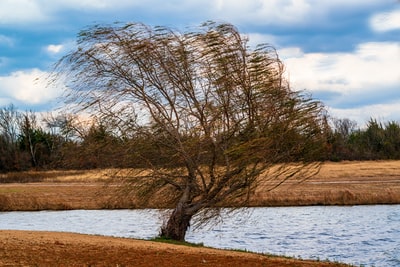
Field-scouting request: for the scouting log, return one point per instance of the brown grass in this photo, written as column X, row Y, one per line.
column 344, row 183
column 54, row 176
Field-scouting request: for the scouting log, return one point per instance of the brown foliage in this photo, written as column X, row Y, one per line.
column 214, row 112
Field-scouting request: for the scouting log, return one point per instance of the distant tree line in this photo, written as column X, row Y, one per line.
column 376, row 141
column 69, row 142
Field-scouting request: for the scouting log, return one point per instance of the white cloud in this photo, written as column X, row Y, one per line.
column 101, row 4
column 29, row 87
column 370, row 66
column 259, row 12
column 279, row 12
column 18, row 12
column 368, row 75
column 265, row 12
column 380, row 112
column 387, row 21
column 54, row 49
column 21, row 11
column 290, row 53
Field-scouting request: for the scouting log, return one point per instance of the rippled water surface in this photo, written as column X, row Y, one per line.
column 360, row 235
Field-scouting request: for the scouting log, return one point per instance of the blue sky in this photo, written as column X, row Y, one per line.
column 346, row 53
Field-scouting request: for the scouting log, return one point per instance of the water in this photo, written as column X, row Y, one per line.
column 359, row 235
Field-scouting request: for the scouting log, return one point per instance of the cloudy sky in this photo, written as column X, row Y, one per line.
column 346, row 53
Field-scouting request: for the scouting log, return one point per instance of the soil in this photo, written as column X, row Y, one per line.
column 25, row 248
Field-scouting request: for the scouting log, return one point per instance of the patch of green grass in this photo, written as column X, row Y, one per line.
column 175, row 242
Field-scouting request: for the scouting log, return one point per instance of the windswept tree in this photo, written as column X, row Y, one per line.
column 217, row 112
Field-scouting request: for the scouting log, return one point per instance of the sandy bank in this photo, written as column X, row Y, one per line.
column 27, row 248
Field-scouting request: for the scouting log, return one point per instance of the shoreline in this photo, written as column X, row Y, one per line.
column 40, row 248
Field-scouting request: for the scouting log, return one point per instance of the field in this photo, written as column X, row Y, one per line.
column 344, row 183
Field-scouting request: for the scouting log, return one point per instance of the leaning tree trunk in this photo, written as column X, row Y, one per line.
column 179, row 220
column 177, row 225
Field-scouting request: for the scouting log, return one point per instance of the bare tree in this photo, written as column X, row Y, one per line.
column 218, row 113
column 344, row 127
column 9, row 131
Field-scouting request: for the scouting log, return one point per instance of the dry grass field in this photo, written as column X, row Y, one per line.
column 339, row 183
column 342, row 183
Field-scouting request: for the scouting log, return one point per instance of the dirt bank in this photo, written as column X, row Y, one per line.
column 24, row 248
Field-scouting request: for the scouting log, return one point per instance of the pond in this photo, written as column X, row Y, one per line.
column 359, row 235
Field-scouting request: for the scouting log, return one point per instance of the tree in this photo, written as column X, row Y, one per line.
column 392, row 140
column 340, row 138
column 218, row 113
column 99, row 148
column 35, row 141
column 344, row 127
column 9, row 121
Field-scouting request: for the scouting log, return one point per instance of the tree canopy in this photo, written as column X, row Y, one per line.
column 217, row 112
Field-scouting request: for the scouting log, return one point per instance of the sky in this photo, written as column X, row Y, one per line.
column 345, row 53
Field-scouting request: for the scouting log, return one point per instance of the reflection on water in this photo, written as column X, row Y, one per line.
column 360, row 235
